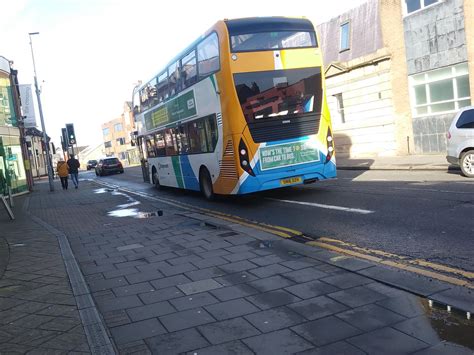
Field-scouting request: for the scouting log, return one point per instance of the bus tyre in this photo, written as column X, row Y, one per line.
column 467, row 163
column 205, row 183
column 155, row 179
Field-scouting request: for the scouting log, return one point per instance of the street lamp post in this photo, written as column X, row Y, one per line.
column 40, row 109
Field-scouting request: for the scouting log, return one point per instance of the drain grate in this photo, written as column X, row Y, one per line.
column 150, row 214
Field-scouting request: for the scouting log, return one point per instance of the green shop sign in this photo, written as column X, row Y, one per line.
column 277, row 156
column 177, row 109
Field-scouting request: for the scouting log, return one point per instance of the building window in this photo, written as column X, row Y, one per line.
column 120, row 141
column 118, row 127
column 345, row 36
column 108, row 144
column 441, row 90
column 415, row 5
column 340, row 107
column 105, row 131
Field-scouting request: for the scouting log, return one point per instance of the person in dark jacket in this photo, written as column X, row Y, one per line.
column 74, row 165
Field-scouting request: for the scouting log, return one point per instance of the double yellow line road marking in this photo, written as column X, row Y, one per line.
column 419, row 266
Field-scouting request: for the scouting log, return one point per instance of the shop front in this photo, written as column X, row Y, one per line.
column 12, row 168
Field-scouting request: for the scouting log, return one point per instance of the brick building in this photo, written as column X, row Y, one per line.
column 396, row 72
column 117, row 137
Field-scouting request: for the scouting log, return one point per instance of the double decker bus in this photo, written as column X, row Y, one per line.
column 242, row 109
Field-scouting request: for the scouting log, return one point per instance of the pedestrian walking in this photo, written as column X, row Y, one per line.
column 63, row 171
column 74, row 165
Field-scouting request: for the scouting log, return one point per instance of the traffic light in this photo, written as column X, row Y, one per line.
column 64, row 140
column 70, row 134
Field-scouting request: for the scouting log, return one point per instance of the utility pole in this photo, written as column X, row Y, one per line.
column 40, row 109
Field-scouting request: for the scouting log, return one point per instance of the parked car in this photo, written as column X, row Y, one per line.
column 460, row 141
column 108, row 165
column 91, row 164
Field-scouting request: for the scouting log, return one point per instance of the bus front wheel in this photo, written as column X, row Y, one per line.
column 205, row 183
column 155, row 179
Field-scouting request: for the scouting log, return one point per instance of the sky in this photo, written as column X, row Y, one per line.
column 89, row 54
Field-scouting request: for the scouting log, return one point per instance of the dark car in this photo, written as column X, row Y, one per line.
column 91, row 164
column 107, row 166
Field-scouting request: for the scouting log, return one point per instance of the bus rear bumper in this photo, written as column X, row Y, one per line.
column 289, row 178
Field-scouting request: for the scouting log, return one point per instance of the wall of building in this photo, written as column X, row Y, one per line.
column 369, row 127
column 377, row 122
column 435, row 37
column 469, row 30
column 125, row 152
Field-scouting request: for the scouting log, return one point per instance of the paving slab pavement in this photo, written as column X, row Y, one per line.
column 435, row 162
column 175, row 284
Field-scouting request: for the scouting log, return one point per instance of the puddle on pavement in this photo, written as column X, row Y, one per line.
column 452, row 326
column 100, row 191
column 134, row 212
column 128, row 205
column 124, row 212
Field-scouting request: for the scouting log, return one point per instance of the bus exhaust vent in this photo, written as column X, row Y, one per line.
column 219, row 119
column 277, row 130
column 227, row 164
column 229, row 149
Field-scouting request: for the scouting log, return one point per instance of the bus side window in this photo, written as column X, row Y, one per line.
column 211, row 132
column 170, row 140
column 174, row 78
column 182, row 138
column 189, row 69
column 160, row 144
column 162, row 87
column 150, row 146
column 144, row 98
column 201, row 127
column 193, row 136
column 208, row 56
column 152, row 93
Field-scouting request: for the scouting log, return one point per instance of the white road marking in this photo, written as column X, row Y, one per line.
column 330, row 207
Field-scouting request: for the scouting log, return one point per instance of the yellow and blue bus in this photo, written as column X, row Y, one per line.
column 242, row 109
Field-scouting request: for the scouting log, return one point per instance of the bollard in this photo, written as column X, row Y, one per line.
column 10, row 197
column 7, row 207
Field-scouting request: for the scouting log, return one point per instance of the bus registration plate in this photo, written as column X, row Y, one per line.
column 290, row 181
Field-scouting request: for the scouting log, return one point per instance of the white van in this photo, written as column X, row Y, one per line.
column 460, row 142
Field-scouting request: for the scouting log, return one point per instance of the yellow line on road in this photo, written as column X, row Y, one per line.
column 257, row 226
column 466, row 274
column 420, row 262
column 398, row 265
column 363, row 250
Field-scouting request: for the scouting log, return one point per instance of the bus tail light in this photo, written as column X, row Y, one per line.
column 330, row 145
column 448, row 135
column 244, row 158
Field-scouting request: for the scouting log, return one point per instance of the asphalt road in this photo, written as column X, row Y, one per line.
column 420, row 214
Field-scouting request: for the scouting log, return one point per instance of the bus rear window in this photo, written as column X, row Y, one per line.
column 272, row 41
column 279, row 93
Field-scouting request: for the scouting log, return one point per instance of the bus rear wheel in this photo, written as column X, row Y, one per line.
column 205, row 184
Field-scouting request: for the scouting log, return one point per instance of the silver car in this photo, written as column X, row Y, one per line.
column 460, row 142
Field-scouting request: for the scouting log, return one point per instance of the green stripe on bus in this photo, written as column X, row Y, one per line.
column 177, row 171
